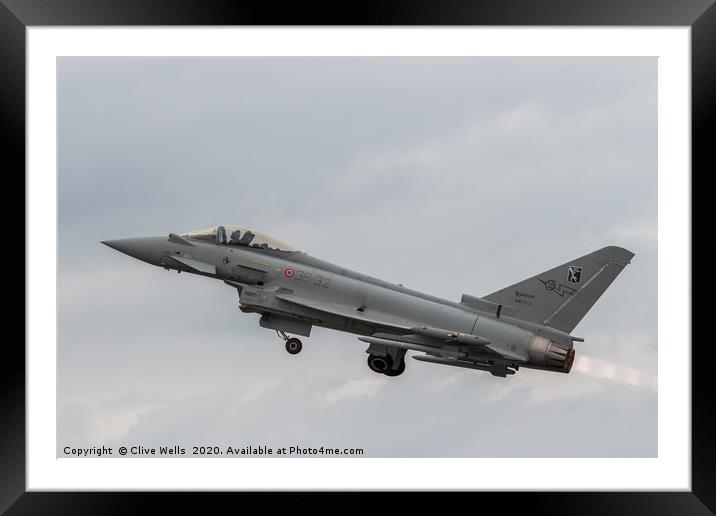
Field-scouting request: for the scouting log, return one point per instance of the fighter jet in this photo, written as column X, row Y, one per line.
column 528, row 324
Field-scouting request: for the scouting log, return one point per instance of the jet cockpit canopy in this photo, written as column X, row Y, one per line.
column 237, row 235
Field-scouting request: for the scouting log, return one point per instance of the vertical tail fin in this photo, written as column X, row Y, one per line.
column 561, row 297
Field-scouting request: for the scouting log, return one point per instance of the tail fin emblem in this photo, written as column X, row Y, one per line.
column 563, row 289
column 574, row 275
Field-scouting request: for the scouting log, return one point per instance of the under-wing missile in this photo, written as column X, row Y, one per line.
column 415, row 347
column 450, row 336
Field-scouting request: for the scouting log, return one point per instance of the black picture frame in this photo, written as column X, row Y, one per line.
column 17, row 15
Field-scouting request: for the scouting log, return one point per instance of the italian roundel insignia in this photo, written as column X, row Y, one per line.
column 289, row 273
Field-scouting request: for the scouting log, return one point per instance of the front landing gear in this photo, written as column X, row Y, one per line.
column 293, row 345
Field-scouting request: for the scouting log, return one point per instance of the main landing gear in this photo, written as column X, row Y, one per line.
column 383, row 364
column 293, row 345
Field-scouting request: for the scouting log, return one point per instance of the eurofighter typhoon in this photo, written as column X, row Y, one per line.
column 528, row 324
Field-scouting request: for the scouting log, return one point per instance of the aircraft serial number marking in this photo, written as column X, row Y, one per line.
column 317, row 280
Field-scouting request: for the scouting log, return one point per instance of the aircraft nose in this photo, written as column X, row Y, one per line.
column 147, row 249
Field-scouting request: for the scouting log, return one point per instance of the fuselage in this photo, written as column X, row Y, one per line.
column 526, row 324
column 293, row 291
column 312, row 278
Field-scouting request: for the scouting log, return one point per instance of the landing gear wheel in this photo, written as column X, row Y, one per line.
column 293, row 346
column 395, row 372
column 379, row 363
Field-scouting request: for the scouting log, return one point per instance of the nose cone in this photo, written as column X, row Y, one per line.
column 147, row 249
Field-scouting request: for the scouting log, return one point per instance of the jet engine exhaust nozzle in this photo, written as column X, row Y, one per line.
column 548, row 354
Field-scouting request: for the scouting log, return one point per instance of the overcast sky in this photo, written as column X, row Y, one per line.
column 449, row 175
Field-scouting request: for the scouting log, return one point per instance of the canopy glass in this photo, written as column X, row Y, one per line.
column 237, row 235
